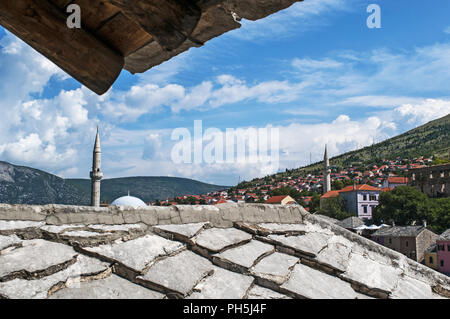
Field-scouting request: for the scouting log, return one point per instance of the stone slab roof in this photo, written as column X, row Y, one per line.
column 399, row 231
column 350, row 222
column 445, row 235
column 227, row 251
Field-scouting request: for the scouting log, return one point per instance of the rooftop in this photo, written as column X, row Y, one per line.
column 223, row 251
column 400, row 231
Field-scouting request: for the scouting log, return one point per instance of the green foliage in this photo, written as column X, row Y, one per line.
column 335, row 208
column 314, row 205
column 404, row 205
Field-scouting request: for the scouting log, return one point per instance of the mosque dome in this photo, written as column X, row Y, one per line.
column 129, row 201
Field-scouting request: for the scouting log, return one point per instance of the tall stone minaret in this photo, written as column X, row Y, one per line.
column 96, row 174
column 326, row 173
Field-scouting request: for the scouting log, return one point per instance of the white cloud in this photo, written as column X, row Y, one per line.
column 301, row 16
column 447, row 30
column 310, row 64
column 421, row 113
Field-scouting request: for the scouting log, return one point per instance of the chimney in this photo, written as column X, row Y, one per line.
column 424, row 223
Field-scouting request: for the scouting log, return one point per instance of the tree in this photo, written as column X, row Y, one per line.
column 403, row 205
column 406, row 205
column 335, row 208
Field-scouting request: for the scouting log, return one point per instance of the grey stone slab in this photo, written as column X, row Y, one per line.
column 138, row 253
column 186, row 271
column 310, row 243
column 216, row 239
column 371, row 273
column 275, row 267
column 18, row 224
column 336, row 254
column 35, row 256
column 186, row 230
column 313, row 284
column 305, row 227
column 8, row 241
column 283, row 227
column 246, row 255
column 57, row 229
column 82, row 234
column 410, row 288
column 116, row 228
column 112, row 287
column 223, row 284
column 40, row 288
column 258, row 292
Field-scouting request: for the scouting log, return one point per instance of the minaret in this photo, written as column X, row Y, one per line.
column 96, row 174
column 326, row 173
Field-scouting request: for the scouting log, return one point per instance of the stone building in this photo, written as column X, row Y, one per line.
column 433, row 180
column 411, row 241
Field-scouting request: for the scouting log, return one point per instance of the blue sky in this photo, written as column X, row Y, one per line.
column 315, row 71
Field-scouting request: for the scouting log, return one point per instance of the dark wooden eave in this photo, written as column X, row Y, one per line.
column 132, row 34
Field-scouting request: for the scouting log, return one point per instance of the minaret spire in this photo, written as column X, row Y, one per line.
column 326, row 172
column 96, row 173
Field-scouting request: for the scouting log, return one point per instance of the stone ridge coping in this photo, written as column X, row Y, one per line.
column 372, row 246
column 222, row 215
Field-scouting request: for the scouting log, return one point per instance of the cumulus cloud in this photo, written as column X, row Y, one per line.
column 421, row 113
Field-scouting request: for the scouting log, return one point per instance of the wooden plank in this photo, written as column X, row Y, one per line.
column 43, row 26
column 169, row 22
column 94, row 13
column 123, row 34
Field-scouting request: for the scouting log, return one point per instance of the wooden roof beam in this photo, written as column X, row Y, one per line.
column 43, row 26
column 169, row 22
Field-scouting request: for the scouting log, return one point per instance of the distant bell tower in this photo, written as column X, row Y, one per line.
column 326, row 173
column 96, row 174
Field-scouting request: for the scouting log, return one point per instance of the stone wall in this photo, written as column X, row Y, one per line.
column 433, row 181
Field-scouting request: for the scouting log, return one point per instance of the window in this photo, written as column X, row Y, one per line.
column 441, row 247
column 364, row 197
column 365, row 209
column 430, row 260
column 407, row 243
column 373, row 197
column 448, row 247
column 390, row 240
column 442, row 263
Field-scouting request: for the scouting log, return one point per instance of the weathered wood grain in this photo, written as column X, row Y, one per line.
column 170, row 22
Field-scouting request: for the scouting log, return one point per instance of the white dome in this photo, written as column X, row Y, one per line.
column 129, row 201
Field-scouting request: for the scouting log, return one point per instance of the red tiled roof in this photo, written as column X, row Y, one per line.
column 398, row 180
column 331, row 194
column 276, row 199
column 363, row 187
column 386, row 189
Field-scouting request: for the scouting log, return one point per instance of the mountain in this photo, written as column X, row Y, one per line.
column 146, row 188
column 25, row 185
column 431, row 139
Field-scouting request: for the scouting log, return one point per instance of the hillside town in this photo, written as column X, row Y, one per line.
column 359, row 188
column 385, row 177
